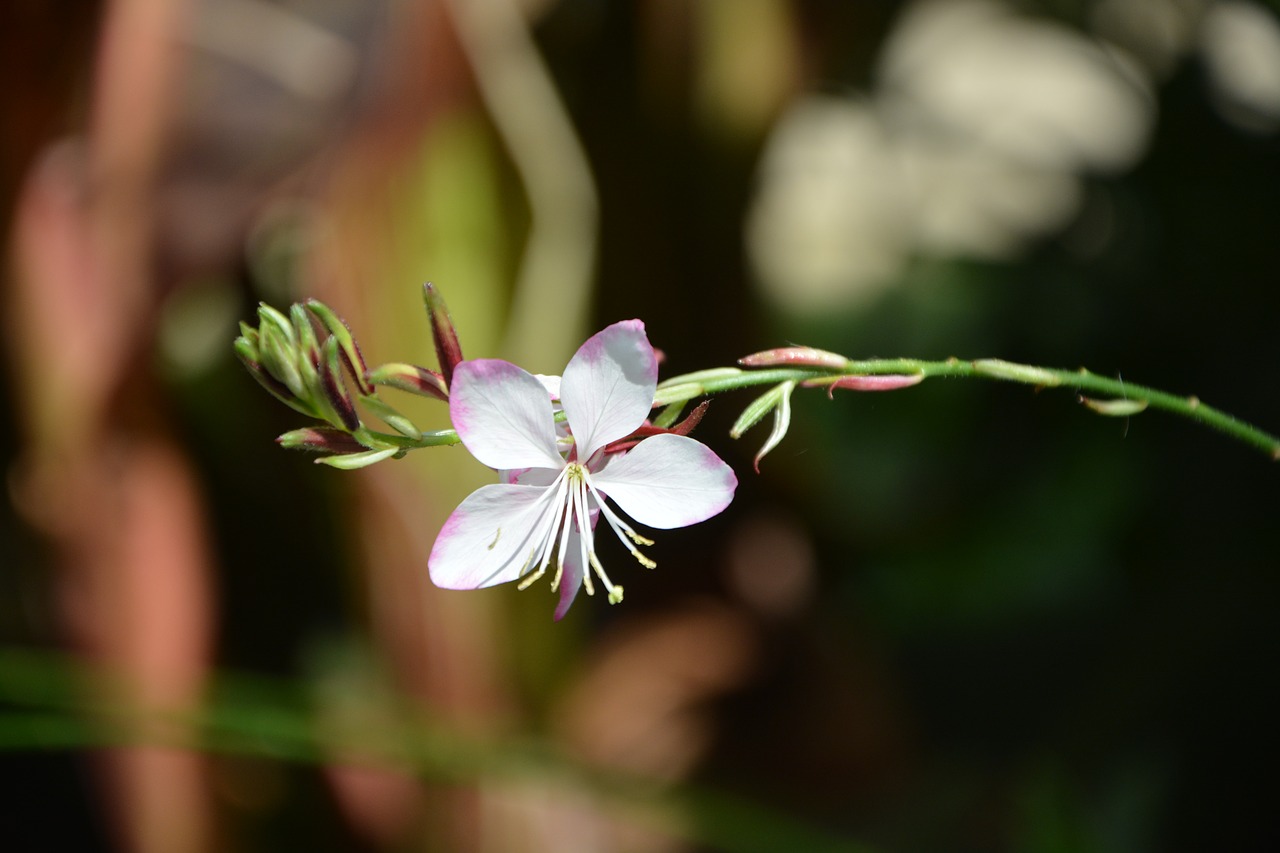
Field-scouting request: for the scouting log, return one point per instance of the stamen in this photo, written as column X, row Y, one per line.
column 565, row 527
column 533, row 553
column 586, row 542
column 586, row 546
column 546, row 536
column 615, row 591
column 623, row 530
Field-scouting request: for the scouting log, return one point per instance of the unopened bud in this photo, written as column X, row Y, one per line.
column 335, row 390
column 883, row 382
column 1114, row 408
column 411, row 378
column 999, row 369
column 677, row 393
column 269, row 317
column 308, row 345
column 320, row 439
column 448, row 350
column 795, row 357
column 277, row 355
column 347, row 345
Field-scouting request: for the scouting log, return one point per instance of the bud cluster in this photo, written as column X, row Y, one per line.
column 310, row 361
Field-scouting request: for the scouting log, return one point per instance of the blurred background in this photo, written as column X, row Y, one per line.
column 959, row 617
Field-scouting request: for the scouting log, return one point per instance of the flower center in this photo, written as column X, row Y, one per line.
column 573, row 497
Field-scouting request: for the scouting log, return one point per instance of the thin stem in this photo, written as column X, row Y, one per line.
column 682, row 388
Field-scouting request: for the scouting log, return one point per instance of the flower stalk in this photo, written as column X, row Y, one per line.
column 285, row 355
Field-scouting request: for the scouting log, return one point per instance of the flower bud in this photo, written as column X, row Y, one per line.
column 680, row 392
column 795, row 357
column 308, row 345
column 411, row 378
column 350, row 350
column 322, row 439
column 1000, row 369
column 335, row 390
column 278, row 356
column 269, row 317
column 448, row 350
column 880, row 382
column 1114, row 408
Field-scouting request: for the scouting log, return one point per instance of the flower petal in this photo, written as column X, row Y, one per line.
column 488, row 538
column 668, row 481
column 503, row 415
column 607, row 389
column 571, row 580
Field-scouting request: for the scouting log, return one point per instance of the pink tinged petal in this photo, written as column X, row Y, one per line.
column 571, row 579
column 529, row 476
column 668, row 481
column 490, row 536
column 607, row 389
column 503, row 415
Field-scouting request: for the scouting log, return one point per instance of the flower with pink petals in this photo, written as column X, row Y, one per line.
column 556, row 478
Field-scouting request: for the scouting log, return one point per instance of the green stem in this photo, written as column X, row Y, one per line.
column 689, row 386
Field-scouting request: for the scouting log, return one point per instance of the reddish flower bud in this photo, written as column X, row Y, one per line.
column 411, row 378
column 448, row 350
column 347, row 345
column 335, row 390
column 795, row 357
column 320, row 439
column 885, row 382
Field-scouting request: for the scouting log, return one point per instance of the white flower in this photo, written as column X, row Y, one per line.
column 547, row 506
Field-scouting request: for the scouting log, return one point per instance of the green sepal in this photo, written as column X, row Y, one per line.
column 781, row 421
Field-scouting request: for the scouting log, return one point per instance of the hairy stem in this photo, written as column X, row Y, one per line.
column 687, row 387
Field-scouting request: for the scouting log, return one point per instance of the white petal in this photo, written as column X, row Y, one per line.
column 488, row 538
column 668, row 481
column 607, row 389
column 552, row 384
column 503, row 415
